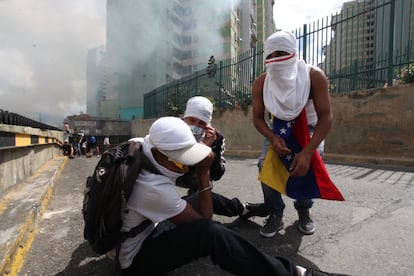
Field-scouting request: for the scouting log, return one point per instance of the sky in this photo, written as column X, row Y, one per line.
column 43, row 47
column 292, row 14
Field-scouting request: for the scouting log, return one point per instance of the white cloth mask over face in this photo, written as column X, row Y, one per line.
column 198, row 132
column 287, row 84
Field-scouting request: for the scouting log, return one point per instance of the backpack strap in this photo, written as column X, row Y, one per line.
column 135, row 230
column 134, row 151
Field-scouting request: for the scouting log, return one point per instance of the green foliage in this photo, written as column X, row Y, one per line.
column 174, row 109
column 406, row 74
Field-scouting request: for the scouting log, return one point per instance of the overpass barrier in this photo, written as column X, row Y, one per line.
column 23, row 150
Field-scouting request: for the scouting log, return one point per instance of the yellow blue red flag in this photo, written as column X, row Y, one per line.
column 275, row 170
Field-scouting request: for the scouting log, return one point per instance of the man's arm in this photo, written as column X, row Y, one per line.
column 259, row 122
column 321, row 101
column 218, row 168
column 204, row 206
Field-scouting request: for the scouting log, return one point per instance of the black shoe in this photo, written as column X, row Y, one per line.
column 316, row 272
column 306, row 225
column 255, row 210
column 272, row 225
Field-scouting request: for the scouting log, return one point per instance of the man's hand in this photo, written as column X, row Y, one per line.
column 279, row 145
column 300, row 164
column 209, row 136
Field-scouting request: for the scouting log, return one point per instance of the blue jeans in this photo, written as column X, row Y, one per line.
column 272, row 198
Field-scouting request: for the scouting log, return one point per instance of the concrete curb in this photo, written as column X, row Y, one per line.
column 21, row 210
column 407, row 164
column 242, row 153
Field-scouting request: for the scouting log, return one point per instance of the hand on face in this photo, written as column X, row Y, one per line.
column 210, row 135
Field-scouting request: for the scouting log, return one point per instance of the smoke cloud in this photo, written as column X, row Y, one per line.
column 43, row 47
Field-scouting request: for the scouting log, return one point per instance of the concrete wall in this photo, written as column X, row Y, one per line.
column 374, row 126
column 22, row 159
column 236, row 125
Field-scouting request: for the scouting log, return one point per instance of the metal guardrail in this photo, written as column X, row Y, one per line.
column 10, row 118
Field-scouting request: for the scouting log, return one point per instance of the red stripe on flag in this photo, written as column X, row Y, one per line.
column 327, row 188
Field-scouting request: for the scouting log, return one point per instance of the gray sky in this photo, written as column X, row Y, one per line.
column 43, row 47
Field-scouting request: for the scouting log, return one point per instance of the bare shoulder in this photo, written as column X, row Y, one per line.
column 260, row 79
column 317, row 74
column 257, row 85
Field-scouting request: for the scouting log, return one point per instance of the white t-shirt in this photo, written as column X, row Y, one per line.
column 311, row 113
column 154, row 197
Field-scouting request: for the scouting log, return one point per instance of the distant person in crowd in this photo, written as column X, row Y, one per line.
column 83, row 141
column 191, row 233
column 68, row 149
column 106, row 143
column 75, row 142
column 79, row 142
column 92, row 146
column 198, row 115
column 287, row 88
column 66, row 128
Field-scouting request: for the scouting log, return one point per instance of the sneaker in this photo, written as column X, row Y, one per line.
column 272, row 225
column 316, row 272
column 254, row 210
column 306, row 225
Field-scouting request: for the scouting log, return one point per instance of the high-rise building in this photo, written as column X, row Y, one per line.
column 369, row 37
column 153, row 43
column 96, row 80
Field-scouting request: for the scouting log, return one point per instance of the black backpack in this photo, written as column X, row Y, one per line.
column 107, row 192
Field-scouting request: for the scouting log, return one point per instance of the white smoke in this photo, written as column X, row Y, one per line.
column 42, row 55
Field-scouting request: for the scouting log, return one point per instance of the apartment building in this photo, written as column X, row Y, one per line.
column 153, row 43
column 369, row 37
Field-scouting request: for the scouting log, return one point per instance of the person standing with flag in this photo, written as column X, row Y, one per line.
column 296, row 96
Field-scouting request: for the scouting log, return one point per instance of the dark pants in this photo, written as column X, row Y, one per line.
column 202, row 238
column 272, row 198
column 221, row 205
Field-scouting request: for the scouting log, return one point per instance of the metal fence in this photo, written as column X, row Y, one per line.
column 226, row 83
column 364, row 46
column 10, row 118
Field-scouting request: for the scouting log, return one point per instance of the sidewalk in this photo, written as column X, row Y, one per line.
column 21, row 210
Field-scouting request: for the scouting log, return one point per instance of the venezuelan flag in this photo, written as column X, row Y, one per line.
column 275, row 169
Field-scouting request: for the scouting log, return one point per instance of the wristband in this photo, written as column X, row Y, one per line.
column 206, row 188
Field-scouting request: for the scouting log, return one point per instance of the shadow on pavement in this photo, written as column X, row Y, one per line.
column 286, row 244
column 85, row 262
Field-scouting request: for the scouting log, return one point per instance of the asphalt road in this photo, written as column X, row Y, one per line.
column 371, row 233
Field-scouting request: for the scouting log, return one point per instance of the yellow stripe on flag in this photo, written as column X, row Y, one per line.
column 273, row 173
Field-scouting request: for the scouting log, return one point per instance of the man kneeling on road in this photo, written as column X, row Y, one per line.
column 68, row 149
column 191, row 233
